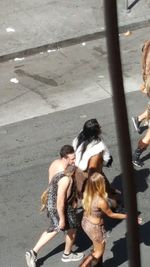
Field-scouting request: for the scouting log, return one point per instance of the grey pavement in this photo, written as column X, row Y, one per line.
column 60, row 77
column 26, row 150
column 45, row 98
column 29, row 27
column 65, row 78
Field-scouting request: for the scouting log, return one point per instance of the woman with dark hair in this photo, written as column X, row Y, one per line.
column 91, row 155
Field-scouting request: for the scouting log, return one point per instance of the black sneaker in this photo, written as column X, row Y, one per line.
column 138, row 163
column 136, row 124
column 31, row 259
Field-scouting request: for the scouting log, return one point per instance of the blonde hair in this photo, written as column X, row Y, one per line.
column 95, row 186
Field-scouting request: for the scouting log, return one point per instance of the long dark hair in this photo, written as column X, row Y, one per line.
column 91, row 132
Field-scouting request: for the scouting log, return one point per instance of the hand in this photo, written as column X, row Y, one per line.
column 109, row 163
column 139, row 220
column 61, row 224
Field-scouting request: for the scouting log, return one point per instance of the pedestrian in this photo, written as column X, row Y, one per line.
column 95, row 206
column 60, row 207
column 92, row 155
column 145, row 63
column 144, row 86
column 144, row 142
column 145, row 116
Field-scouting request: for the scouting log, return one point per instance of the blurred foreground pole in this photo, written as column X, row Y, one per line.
column 126, row 4
column 122, row 129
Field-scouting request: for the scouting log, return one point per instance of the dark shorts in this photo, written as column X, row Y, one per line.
column 70, row 216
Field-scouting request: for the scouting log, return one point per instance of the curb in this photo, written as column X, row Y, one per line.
column 72, row 41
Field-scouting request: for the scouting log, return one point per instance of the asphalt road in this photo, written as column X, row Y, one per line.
column 56, row 92
column 26, row 150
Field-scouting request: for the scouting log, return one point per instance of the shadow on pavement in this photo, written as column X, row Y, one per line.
column 141, row 177
column 82, row 241
column 119, row 251
column 119, row 248
column 141, row 186
column 117, row 182
column 144, row 233
column 56, row 250
column 146, row 157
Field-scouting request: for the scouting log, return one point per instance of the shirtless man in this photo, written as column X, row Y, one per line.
column 60, row 206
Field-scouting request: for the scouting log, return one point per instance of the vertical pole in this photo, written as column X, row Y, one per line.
column 122, row 129
column 126, row 4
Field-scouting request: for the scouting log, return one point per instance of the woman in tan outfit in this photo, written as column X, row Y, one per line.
column 95, row 206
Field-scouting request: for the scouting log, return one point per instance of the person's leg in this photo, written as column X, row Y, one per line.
column 142, row 145
column 68, row 255
column 143, row 116
column 31, row 256
column 89, row 261
column 137, row 120
column 146, row 138
column 97, row 234
column 95, row 259
column 98, row 250
column 70, row 238
column 45, row 237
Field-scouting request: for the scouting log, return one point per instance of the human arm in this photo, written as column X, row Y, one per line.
column 63, row 186
column 103, row 205
column 105, row 208
column 107, row 157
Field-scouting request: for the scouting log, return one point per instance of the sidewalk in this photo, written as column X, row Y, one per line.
column 63, row 70
column 29, row 27
column 65, row 78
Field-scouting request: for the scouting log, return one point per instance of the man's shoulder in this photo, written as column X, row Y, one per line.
column 56, row 165
column 63, row 180
column 55, row 162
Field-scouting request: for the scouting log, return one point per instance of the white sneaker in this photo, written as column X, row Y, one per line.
column 30, row 258
column 72, row 257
